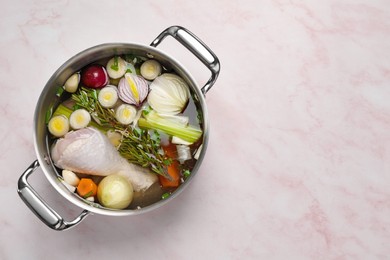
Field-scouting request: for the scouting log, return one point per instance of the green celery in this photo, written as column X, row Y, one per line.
column 186, row 132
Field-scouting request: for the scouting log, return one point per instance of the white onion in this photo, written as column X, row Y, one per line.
column 133, row 89
column 115, row 192
column 169, row 94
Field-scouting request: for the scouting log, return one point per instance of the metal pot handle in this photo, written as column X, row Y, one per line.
column 40, row 208
column 197, row 47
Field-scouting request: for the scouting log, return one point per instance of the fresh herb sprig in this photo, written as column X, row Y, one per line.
column 137, row 145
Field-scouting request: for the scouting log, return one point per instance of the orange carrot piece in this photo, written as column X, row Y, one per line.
column 86, row 188
column 173, row 169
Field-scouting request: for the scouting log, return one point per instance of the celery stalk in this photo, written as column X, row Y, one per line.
column 186, row 132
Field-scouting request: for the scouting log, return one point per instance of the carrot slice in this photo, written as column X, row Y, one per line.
column 173, row 169
column 86, row 188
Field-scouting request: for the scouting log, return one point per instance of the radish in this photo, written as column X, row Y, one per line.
column 94, row 76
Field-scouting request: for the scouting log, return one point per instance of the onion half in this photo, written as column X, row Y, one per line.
column 169, row 94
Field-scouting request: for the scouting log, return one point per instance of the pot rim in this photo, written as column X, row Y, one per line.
column 48, row 91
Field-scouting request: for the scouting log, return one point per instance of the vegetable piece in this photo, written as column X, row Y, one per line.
column 58, row 125
column 125, row 114
column 68, row 186
column 177, row 140
column 94, row 76
column 152, row 120
column 150, row 69
column 80, row 118
column 173, row 168
column 108, row 96
column 133, row 89
column 70, row 178
column 196, row 156
column 72, row 83
column 114, row 137
column 183, row 153
column 91, row 199
column 116, row 67
column 169, row 94
column 86, row 188
column 115, row 192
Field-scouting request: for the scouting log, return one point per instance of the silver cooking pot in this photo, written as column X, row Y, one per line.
column 48, row 100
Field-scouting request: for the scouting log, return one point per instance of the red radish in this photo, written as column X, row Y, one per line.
column 94, row 76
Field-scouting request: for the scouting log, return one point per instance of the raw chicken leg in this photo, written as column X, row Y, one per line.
column 89, row 151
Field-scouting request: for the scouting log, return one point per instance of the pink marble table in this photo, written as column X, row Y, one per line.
column 298, row 163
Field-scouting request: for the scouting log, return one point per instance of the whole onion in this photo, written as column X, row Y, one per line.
column 133, row 89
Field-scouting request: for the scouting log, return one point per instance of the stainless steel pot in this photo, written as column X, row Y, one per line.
column 48, row 99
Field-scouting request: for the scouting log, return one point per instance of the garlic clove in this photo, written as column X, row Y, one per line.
column 70, row 178
column 72, row 83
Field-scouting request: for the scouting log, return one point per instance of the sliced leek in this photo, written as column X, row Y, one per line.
column 58, row 125
column 116, row 67
column 150, row 69
column 108, row 96
column 125, row 114
column 80, row 118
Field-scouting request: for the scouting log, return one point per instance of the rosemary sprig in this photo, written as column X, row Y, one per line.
column 137, row 146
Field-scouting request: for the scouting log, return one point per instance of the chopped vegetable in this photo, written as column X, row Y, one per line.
column 115, row 192
column 177, row 140
column 94, row 76
column 173, row 168
column 60, row 91
column 86, row 188
column 58, row 125
column 154, row 121
column 68, row 186
column 133, row 89
column 186, row 174
column 183, row 153
column 196, row 156
column 80, row 118
column 169, row 94
column 91, row 199
column 166, row 195
column 125, row 114
column 72, row 83
column 108, row 96
column 114, row 137
column 116, row 67
column 70, row 178
column 150, row 69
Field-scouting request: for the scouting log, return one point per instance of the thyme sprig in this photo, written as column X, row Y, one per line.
column 137, row 145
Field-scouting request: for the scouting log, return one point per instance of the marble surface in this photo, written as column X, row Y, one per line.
column 298, row 163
